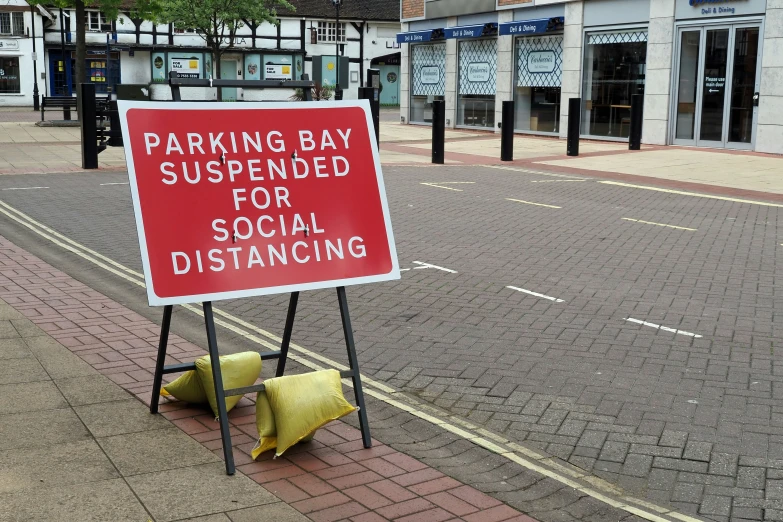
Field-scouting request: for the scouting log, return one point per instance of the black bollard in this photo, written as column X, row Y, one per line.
column 507, row 132
column 89, row 126
column 371, row 93
column 574, row 122
column 637, row 115
column 438, row 131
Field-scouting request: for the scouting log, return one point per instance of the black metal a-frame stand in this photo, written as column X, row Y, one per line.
column 281, row 355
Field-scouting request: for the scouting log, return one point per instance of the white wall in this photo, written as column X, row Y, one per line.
column 135, row 69
column 769, row 133
column 22, row 48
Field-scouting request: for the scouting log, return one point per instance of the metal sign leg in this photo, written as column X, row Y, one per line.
column 289, row 327
column 354, row 363
column 164, row 339
column 220, row 396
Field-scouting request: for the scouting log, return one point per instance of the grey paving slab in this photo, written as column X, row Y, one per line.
column 25, row 327
column 8, row 312
column 40, row 429
column 118, row 417
column 59, row 464
column 104, row 501
column 30, row 397
column 90, row 389
column 209, row 518
column 21, row 370
column 202, row 490
column 59, row 362
column 14, row 349
column 7, row 330
column 155, row 450
column 279, row 512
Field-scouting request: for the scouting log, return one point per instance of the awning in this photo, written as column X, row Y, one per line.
column 471, row 31
column 525, row 27
column 416, row 36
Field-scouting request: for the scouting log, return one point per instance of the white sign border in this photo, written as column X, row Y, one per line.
column 124, row 106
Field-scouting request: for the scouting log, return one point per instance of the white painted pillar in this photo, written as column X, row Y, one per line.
column 504, row 90
column 572, row 59
column 405, row 79
column 658, row 77
column 769, row 132
column 451, row 77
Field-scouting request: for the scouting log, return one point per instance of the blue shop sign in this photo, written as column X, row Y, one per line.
column 414, row 37
column 526, row 27
column 470, row 31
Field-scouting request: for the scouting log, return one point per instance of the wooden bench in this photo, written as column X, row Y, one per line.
column 58, row 102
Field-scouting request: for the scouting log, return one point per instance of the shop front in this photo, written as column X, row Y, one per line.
column 717, row 74
column 101, row 70
column 538, row 66
column 428, row 79
column 477, row 66
column 613, row 71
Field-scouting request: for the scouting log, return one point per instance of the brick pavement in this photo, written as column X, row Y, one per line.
column 332, row 478
column 692, row 423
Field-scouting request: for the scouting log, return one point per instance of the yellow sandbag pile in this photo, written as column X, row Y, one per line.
column 293, row 407
column 198, row 387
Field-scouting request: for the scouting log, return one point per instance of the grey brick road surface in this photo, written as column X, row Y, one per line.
column 692, row 423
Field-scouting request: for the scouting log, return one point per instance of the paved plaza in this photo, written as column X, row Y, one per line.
column 589, row 338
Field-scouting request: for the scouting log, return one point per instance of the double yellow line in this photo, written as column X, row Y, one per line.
column 525, row 457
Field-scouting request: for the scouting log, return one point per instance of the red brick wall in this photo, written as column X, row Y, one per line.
column 414, row 9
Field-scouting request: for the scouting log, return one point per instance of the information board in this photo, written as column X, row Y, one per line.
column 238, row 200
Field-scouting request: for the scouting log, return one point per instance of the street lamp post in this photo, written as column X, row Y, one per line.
column 36, row 103
column 338, row 91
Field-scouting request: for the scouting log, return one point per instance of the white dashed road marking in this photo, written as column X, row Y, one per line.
column 542, row 296
column 664, row 328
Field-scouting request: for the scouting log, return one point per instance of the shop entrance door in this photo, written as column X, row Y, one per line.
column 717, row 86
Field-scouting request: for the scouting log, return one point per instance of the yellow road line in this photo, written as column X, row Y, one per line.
column 438, row 186
column 659, row 224
column 531, row 203
column 693, row 194
column 501, row 446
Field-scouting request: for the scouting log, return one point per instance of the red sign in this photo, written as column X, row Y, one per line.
column 235, row 200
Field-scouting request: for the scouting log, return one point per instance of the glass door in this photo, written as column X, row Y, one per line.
column 717, row 80
column 713, row 87
column 744, row 86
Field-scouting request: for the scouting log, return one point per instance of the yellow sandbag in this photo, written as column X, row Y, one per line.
column 303, row 403
column 267, row 431
column 187, row 387
column 239, row 370
column 265, row 422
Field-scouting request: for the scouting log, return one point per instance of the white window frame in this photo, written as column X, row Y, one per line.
column 102, row 26
column 15, row 24
column 326, row 32
column 180, row 30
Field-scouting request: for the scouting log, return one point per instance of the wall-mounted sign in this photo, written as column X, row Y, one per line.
column 186, row 67
column 478, row 72
column 467, row 31
column 414, row 37
column 9, row 44
column 541, row 61
column 429, row 74
column 276, row 71
column 524, row 27
column 718, row 8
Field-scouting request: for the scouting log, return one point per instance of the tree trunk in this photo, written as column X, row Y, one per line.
column 81, row 47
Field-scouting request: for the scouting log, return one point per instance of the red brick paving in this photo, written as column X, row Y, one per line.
column 331, row 478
